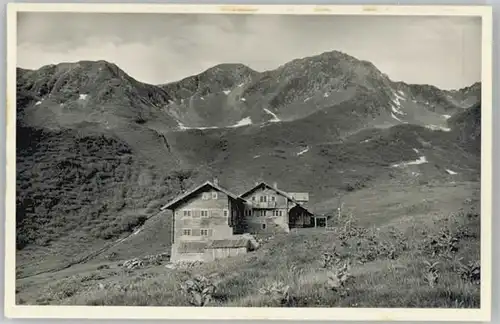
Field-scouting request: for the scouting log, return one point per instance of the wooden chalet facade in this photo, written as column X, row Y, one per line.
column 269, row 209
column 205, row 214
column 209, row 221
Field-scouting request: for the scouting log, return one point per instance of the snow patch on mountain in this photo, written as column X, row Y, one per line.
column 451, row 172
column 394, row 116
column 307, row 99
column 83, row 96
column 275, row 118
column 182, row 127
column 420, row 160
column 38, row 103
column 396, row 110
column 226, row 92
column 416, row 151
column 447, row 116
column 326, row 95
column 303, row 151
column 396, row 107
column 243, row 99
column 438, row 128
column 243, row 122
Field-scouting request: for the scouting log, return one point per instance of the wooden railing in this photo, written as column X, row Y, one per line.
column 268, row 204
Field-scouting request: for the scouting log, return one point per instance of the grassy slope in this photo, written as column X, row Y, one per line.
column 295, row 260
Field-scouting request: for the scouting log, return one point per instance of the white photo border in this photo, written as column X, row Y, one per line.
column 254, row 313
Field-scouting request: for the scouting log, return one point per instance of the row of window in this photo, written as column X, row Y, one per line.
column 206, row 232
column 204, row 213
column 203, row 232
column 263, row 199
column 208, row 195
column 263, row 213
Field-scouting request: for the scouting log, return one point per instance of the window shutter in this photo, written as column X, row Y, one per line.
column 210, row 232
column 196, row 232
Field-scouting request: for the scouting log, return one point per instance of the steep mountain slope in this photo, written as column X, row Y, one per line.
column 467, row 126
column 98, row 152
column 234, row 95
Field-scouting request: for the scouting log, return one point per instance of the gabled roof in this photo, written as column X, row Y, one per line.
column 263, row 184
column 300, row 196
column 181, row 198
column 301, row 206
column 281, row 192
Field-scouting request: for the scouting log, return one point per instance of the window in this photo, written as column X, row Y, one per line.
column 248, row 212
column 205, row 196
column 280, row 213
column 262, row 213
column 277, row 213
column 263, row 226
column 187, row 213
column 205, row 232
column 214, row 195
column 226, row 213
column 204, row 213
column 253, row 198
column 263, row 198
column 273, row 198
column 186, row 232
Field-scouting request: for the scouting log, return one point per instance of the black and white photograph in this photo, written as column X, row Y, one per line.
column 244, row 158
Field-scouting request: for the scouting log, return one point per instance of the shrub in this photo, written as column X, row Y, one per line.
column 338, row 277
column 431, row 273
column 279, row 293
column 330, row 259
column 198, row 290
column 442, row 243
column 471, row 272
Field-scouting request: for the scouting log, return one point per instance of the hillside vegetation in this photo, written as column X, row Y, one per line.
column 428, row 258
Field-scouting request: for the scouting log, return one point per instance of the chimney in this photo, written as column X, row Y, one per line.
column 216, row 181
column 275, row 185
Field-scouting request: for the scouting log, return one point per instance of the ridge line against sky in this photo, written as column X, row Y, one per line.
column 162, row 48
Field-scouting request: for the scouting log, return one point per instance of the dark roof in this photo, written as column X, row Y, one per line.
column 180, row 198
column 229, row 243
column 301, row 206
column 263, row 184
column 191, row 247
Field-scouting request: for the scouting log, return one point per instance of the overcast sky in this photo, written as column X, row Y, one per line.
column 159, row 48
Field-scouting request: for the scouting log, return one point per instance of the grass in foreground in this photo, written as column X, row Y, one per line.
column 432, row 262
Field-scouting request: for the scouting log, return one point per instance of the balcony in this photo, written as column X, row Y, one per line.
column 268, row 204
